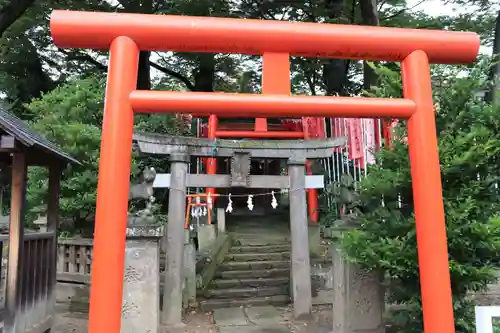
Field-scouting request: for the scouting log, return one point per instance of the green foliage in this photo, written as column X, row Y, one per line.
column 469, row 149
column 496, row 325
column 71, row 117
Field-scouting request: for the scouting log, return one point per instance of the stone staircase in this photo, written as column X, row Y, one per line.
column 256, row 271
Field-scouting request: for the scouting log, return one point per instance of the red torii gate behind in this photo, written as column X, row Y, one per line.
column 126, row 34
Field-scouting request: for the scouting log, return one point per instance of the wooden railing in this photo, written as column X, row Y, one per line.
column 74, row 258
column 30, row 282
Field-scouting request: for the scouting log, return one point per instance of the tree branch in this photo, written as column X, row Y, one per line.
column 11, row 12
column 174, row 74
column 79, row 56
column 87, row 58
column 402, row 11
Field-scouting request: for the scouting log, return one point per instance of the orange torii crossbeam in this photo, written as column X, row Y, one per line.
column 127, row 34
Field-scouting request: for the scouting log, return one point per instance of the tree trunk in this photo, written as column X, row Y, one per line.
column 369, row 16
column 11, row 11
column 493, row 95
column 204, row 74
column 144, row 74
column 335, row 70
column 144, row 70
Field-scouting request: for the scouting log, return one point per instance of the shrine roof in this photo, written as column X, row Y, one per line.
column 29, row 138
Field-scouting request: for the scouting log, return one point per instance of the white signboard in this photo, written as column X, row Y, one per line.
column 484, row 318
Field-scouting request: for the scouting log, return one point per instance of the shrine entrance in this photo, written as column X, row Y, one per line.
column 295, row 153
column 246, row 168
column 125, row 35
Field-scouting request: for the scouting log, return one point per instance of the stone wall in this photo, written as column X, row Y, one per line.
column 72, row 297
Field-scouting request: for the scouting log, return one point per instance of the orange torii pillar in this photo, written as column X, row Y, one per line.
column 126, row 34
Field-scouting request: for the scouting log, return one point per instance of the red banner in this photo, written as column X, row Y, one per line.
column 355, row 139
column 314, row 127
column 337, row 130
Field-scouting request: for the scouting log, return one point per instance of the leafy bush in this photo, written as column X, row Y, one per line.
column 469, row 149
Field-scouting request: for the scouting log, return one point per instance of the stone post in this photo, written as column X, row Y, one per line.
column 358, row 297
column 172, row 292
column 314, row 233
column 206, row 236
column 221, row 220
column 189, row 271
column 301, row 269
column 141, row 285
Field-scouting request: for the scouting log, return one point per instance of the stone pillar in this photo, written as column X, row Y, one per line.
column 358, row 298
column 221, row 219
column 206, row 236
column 301, row 269
column 189, row 298
column 172, row 292
column 141, row 285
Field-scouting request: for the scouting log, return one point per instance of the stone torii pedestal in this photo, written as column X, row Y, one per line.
column 141, row 287
column 240, row 152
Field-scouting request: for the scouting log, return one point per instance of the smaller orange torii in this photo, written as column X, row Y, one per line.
column 125, row 35
column 206, row 204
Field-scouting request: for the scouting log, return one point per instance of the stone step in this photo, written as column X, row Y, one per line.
column 251, row 265
column 233, row 293
column 260, row 248
column 271, row 256
column 260, row 239
column 255, row 273
column 212, row 304
column 255, row 282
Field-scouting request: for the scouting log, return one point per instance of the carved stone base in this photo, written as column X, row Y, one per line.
column 141, row 306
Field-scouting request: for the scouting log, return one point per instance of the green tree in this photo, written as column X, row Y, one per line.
column 469, row 149
column 71, row 116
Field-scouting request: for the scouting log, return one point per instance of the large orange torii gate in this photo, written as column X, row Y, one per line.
column 126, row 34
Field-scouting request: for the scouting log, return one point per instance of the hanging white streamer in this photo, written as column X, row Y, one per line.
column 274, row 202
column 229, row 208
column 196, row 210
column 250, row 202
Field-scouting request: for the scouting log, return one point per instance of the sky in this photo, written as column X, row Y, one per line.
column 432, row 7
column 437, row 8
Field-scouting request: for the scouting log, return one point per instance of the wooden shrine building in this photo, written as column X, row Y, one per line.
column 32, row 256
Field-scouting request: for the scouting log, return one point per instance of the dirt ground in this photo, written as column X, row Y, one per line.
column 78, row 323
